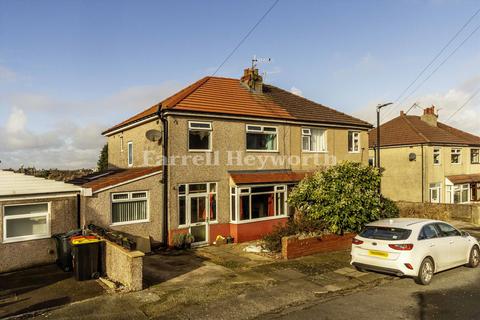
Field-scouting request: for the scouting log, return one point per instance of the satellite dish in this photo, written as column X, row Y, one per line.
column 412, row 156
column 153, row 135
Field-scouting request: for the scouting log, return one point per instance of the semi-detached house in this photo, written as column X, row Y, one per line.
column 234, row 149
column 425, row 160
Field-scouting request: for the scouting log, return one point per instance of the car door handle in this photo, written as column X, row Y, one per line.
column 451, row 242
column 432, row 245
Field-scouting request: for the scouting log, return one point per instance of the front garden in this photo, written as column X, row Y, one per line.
column 331, row 205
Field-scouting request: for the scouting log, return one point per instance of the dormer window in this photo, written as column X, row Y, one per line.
column 199, row 136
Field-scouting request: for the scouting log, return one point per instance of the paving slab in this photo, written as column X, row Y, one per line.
column 287, row 274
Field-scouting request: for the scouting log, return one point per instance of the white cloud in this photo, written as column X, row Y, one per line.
column 296, row 91
column 72, row 138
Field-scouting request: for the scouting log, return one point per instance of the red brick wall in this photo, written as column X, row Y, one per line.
column 292, row 247
column 254, row 230
column 240, row 232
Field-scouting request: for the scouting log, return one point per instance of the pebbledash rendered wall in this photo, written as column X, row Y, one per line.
column 97, row 209
column 24, row 254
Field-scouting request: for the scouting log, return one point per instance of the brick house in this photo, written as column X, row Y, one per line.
column 233, row 149
column 428, row 161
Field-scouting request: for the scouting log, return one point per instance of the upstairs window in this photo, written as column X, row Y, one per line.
column 456, row 156
column 474, row 156
column 130, row 154
column 199, row 136
column 436, row 156
column 353, row 141
column 313, row 140
column 261, row 138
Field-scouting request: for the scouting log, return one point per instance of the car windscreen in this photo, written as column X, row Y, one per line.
column 385, row 233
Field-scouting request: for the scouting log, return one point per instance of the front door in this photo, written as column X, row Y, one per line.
column 199, row 218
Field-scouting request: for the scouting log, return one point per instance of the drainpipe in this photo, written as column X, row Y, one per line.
column 164, row 174
column 423, row 177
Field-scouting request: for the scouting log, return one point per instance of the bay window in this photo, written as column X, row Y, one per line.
column 257, row 202
column 26, row 222
column 129, row 207
column 261, row 138
column 313, row 140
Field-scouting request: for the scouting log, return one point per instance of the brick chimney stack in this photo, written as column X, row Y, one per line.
column 252, row 80
column 429, row 116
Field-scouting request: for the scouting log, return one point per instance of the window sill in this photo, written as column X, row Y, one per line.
column 262, row 151
column 199, row 150
column 128, row 223
column 354, row 152
column 259, row 219
column 314, row 152
column 26, row 238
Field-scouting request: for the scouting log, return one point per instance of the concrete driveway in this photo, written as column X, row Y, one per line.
column 44, row 287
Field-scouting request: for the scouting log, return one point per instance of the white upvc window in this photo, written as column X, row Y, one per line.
column 199, row 136
column 129, row 207
column 436, row 156
column 474, row 156
column 257, row 202
column 461, row 193
column 197, row 203
column 314, row 140
column 456, row 156
column 435, row 192
column 261, row 138
column 354, row 141
column 130, row 153
column 23, row 222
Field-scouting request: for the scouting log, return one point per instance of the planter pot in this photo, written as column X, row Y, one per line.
column 293, row 247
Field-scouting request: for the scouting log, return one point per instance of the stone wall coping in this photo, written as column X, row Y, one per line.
column 131, row 254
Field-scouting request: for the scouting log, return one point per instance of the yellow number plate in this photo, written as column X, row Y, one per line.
column 378, row 253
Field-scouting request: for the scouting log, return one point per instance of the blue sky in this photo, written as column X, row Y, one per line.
column 69, row 69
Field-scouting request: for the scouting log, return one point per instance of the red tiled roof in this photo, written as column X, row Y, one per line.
column 117, row 176
column 267, row 177
column 410, row 130
column 464, row 178
column 229, row 96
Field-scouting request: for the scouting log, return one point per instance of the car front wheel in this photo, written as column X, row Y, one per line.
column 474, row 257
column 425, row 273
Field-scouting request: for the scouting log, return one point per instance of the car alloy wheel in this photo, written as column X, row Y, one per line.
column 474, row 257
column 425, row 273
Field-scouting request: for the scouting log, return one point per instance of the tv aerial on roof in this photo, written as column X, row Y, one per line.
column 153, row 135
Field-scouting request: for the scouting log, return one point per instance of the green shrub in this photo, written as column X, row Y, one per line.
column 179, row 240
column 344, row 196
column 294, row 226
column 389, row 209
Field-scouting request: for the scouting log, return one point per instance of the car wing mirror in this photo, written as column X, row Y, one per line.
column 465, row 234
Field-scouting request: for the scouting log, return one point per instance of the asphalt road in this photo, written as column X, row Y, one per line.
column 453, row 294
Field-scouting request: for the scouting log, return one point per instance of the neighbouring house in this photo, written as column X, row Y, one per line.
column 33, row 209
column 425, row 160
column 217, row 158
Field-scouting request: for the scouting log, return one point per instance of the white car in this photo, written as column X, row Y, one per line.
column 413, row 247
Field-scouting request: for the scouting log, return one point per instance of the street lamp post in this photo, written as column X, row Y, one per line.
column 377, row 155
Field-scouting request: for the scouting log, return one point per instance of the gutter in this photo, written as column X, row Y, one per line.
column 164, row 121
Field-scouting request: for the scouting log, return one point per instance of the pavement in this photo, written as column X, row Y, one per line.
column 453, row 294
column 224, row 282
column 43, row 287
column 240, row 287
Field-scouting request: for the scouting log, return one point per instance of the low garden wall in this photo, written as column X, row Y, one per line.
column 123, row 266
column 440, row 211
column 294, row 247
